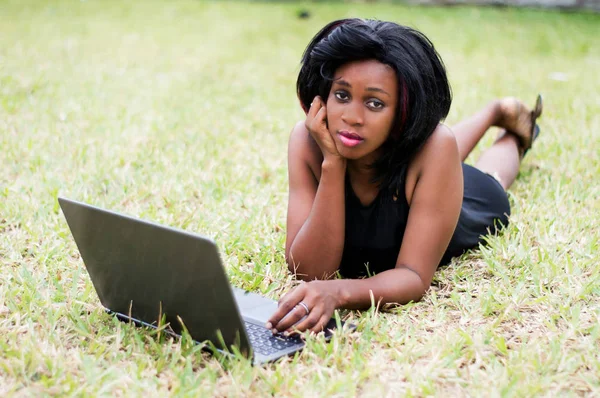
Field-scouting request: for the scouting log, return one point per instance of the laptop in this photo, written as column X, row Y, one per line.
column 144, row 272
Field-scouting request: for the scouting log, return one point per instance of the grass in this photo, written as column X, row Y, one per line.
column 179, row 112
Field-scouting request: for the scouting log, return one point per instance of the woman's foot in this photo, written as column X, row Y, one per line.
column 516, row 118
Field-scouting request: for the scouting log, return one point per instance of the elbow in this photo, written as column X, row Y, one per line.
column 419, row 294
column 419, row 289
column 289, row 260
column 414, row 293
column 308, row 272
column 293, row 266
column 418, row 286
column 301, row 273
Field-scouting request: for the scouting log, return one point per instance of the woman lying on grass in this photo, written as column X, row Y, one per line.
column 377, row 184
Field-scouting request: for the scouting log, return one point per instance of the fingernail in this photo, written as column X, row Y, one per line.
column 275, row 331
column 286, row 334
column 268, row 325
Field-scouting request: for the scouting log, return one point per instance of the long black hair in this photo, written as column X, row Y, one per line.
column 424, row 95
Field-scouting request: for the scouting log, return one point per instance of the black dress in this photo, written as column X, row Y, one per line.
column 374, row 233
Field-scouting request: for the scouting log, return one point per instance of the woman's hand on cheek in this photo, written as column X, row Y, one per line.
column 314, row 301
column 316, row 124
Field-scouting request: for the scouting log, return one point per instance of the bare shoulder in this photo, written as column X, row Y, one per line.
column 302, row 147
column 442, row 142
column 440, row 148
column 440, row 152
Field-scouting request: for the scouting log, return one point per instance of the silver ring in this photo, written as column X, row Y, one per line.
column 305, row 307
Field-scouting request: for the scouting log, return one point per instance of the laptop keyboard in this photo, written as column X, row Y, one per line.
column 264, row 342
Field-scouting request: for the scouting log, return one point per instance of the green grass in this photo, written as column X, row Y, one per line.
column 179, row 112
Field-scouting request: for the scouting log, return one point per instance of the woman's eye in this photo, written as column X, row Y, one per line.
column 341, row 95
column 375, row 104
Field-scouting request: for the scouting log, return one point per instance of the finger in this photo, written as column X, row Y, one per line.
column 315, row 106
column 306, row 108
column 282, row 312
column 310, row 321
column 295, row 295
column 285, row 305
column 320, row 325
column 318, row 125
column 318, row 101
column 321, row 115
column 291, row 319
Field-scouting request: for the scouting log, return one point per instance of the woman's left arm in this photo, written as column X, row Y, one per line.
column 434, row 210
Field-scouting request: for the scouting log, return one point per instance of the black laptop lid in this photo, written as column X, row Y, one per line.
column 140, row 269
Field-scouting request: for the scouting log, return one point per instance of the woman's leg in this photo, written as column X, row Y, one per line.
column 470, row 131
column 503, row 158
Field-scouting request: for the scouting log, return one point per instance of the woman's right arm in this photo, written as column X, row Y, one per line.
column 316, row 209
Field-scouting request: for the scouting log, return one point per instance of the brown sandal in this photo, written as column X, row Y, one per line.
column 535, row 129
column 516, row 118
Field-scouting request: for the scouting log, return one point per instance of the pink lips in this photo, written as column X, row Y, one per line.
column 350, row 139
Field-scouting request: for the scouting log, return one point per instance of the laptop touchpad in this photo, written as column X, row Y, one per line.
column 254, row 306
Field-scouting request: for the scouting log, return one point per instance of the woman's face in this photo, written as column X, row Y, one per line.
column 361, row 108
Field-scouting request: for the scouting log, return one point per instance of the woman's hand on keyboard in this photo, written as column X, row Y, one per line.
column 309, row 306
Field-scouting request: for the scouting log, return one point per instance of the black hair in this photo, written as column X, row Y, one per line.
column 424, row 94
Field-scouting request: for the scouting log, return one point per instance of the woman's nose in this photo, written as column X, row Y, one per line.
column 353, row 114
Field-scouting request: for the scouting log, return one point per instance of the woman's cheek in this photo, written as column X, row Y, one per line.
column 333, row 112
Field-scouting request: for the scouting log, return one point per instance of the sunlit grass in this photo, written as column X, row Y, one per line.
column 179, row 112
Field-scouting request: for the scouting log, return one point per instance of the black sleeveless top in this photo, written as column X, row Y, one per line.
column 374, row 233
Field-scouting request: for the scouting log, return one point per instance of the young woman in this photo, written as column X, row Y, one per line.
column 378, row 193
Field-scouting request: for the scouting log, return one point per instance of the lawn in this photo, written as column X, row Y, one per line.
column 179, row 112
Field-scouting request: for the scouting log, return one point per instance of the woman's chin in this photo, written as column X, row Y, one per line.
column 345, row 152
column 349, row 153
column 350, row 156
